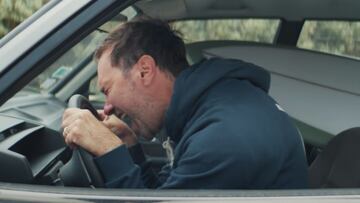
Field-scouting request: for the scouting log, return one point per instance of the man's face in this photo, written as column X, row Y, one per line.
column 124, row 95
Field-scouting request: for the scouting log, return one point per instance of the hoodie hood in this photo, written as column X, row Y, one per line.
column 196, row 80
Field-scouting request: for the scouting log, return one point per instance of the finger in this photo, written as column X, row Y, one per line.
column 69, row 116
column 68, row 141
column 102, row 115
column 72, row 135
column 65, row 132
column 69, row 111
column 115, row 124
column 74, row 114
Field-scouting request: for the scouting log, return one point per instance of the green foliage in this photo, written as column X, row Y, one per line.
column 247, row 30
column 340, row 38
column 337, row 37
column 13, row 12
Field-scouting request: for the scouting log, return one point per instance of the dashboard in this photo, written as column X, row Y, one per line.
column 31, row 147
column 29, row 152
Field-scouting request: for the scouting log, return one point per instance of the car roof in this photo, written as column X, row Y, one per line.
column 291, row 10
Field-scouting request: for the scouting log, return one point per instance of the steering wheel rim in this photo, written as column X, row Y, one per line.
column 81, row 169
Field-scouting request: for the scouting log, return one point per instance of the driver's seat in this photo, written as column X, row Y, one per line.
column 338, row 165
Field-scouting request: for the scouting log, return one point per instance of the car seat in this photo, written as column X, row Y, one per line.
column 338, row 165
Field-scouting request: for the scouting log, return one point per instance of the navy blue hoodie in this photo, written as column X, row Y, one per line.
column 228, row 134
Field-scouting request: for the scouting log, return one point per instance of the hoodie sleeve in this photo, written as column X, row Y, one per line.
column 202, row 164
column 127, row 168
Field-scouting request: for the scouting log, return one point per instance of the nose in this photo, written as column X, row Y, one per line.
column 108, row 108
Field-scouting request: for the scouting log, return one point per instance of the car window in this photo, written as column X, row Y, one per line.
column 334, row 37
column 69, row 62
column 62, row 67
column 256, row 30
column 14, row 12
column 95, row 94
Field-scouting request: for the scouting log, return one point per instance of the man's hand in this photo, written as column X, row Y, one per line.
column 81, row 128
column 119, row 127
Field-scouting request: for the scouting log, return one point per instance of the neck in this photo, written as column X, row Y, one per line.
column 159, row 99
column 163, row 88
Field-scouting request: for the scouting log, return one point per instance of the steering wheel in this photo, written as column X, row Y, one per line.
column 81, row 170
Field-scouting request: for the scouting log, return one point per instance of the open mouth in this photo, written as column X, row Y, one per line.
column 125, row 118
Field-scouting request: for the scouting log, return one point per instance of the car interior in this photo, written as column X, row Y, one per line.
column 320, row 91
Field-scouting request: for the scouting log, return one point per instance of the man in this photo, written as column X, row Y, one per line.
column 228, row 133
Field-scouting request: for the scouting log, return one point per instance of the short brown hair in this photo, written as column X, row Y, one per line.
column 148, row 36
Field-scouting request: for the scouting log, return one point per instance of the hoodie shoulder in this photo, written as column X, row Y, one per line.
column 195, row 81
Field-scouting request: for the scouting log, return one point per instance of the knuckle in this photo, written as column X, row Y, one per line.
column 76, row 130
column 75, row 140
column 77, row 122
column 71, row 138
column 67, row 140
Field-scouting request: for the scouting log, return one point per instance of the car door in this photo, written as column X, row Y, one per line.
column 23, row 59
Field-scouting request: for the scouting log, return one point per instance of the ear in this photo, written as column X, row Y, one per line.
column 146, row 69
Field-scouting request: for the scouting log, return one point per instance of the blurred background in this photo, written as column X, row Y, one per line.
column 334, row 37
column 13, row 12
column 340, row 37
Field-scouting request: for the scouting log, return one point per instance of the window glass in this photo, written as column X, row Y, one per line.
column 67, row 63
column 335, row 37
column 64, row 65
column 14, row 12
column 256, row 30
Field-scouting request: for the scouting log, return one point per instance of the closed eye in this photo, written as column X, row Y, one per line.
column 104, row 91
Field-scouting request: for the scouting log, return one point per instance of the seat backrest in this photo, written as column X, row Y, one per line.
column 338, row 165
column 195, row 50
